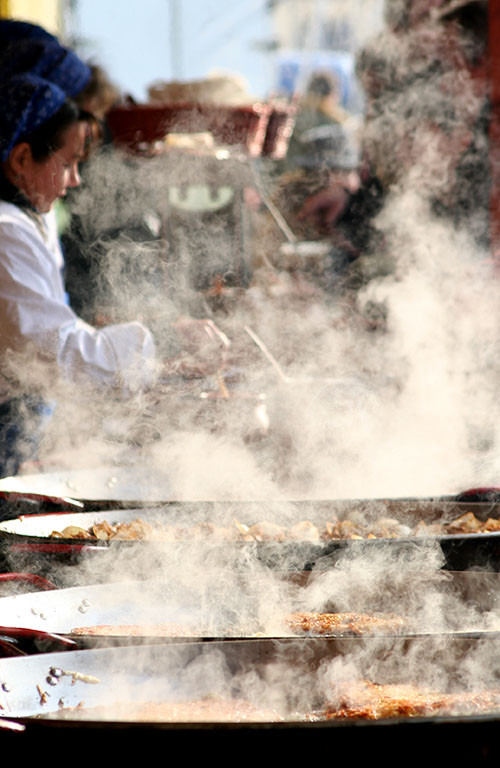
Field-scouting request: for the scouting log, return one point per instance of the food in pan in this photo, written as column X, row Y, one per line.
column 370, row 701
column 469, row 523
column 266, row 531
column 360, row 700
column 345, row 623
column 137, row 529
column 310, row 624
column 135, row 630
column 213, row 709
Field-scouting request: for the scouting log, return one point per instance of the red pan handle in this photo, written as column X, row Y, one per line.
column 479, row 494
column 31, row 578
column 62, row 501
column 8, row 648
column 22, row 633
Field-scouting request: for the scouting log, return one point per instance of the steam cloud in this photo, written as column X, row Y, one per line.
column 411, row 409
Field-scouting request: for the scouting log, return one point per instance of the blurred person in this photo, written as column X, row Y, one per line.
column 427, row 116
column 30, row 49
column 319, row 107
column 426, row 125
column 320, row 170
column 42, row 139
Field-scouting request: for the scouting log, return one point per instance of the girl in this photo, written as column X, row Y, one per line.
column 42, row 139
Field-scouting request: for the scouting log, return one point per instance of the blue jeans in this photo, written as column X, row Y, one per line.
column 21, row 423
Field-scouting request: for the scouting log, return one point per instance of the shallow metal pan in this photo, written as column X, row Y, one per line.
column 38, row 686
column 192, row 614
column 31, row 535
column 130, row 486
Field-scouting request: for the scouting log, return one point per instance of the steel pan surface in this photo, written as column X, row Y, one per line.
column 46, row 684
column 129, row 484
column 155, row 610
column 461, row 551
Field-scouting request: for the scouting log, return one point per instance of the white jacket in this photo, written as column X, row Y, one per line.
column 34, row 313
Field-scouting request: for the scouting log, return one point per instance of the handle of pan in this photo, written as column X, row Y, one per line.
column 479, row 494
column 30, row 578
column 10, row 648
column 23, row 633
column 61, row 501
column 10, row 725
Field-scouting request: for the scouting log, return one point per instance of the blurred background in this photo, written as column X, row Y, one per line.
column 273, row 44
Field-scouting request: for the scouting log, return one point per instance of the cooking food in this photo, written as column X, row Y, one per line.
column 469, row 523
column 345, row 623
column 267, row 531
column 356, row 700
column 371, row 701
column 135, row 630
column 213, row 709
column 298, row 623
column 137, row 529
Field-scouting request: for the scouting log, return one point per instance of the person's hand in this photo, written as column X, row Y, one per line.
column 326, row 206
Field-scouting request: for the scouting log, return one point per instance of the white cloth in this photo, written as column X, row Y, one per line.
column 34, row 313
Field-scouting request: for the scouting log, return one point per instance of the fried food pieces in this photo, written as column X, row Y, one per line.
column 371, row 701
column 345, row 624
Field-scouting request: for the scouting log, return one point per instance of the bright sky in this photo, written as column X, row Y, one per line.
column 133, row 42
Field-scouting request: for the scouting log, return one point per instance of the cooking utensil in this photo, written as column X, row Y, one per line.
column 29, row 578
column 48, row 692
column 31, row 535
column 156, row 611
column 89, row 487
column 14, row 503
column 32, row 638
column 271, row 359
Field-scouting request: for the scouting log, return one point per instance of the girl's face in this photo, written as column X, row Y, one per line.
column 44, row 182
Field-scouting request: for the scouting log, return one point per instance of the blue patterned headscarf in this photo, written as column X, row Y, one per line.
column 46, row 59
column 26, row 102
column 12, row 30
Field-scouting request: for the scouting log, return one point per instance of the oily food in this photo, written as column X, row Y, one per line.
column 209, row 709
column 310, row 624
column 135, row 630
column 137, row 529
column 345, row 623
column 266, row 531
column 371, row 701
column 360, row 700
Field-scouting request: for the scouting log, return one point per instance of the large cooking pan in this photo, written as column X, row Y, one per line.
column 131, row 486
column 36, row 690
column 30, row 535
column 183, row 610
column 134, row 486
column 144, row 604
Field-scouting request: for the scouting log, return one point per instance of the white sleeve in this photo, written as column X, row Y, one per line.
column 33, row 310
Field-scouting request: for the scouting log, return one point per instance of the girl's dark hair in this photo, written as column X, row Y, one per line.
column 48, row 138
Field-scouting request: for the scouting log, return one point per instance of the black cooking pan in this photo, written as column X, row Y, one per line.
column 36, row 690
column 31, row 535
